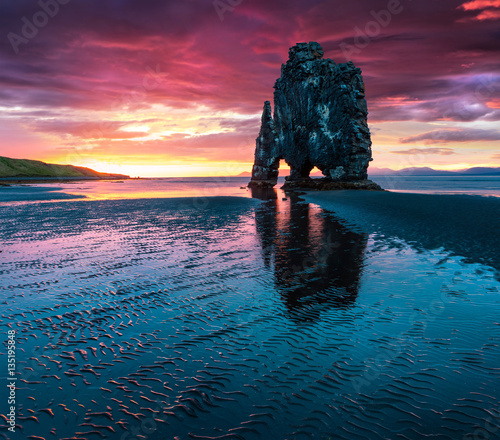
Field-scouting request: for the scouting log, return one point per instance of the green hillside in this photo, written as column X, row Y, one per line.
column 35, row 168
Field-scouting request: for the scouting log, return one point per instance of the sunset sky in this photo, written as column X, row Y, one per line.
column 176, row 88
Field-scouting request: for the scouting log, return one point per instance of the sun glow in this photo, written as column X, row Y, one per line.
column 207, row 169
column 136, row 128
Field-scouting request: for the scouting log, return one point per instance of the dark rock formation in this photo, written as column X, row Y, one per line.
column 320, row 120
column 265, row 168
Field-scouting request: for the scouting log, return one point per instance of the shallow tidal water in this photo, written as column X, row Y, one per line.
column 244, row 318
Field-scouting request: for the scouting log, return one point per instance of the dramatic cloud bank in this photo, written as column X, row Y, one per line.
column 450, row 135
column 132, row 82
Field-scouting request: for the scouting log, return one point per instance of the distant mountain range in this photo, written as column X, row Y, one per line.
column 414, row 171
column 426, row 171
column 25, row 168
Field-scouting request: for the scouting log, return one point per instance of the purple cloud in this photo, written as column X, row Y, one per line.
column 453, row 135
column 438, row 151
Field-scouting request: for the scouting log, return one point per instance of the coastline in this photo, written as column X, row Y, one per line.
column 464, row 225
column 6, row 181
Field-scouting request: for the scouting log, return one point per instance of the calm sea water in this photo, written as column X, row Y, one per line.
column 473, row 185
column 225, row 313
column 202, row 187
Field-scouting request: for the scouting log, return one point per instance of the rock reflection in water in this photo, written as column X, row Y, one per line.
column 317, row 262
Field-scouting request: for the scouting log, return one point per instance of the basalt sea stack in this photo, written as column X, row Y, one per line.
column 320, row 120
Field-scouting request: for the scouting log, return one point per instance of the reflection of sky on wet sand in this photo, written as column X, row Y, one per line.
column 196, row 188
column 157, row 188
column 315, row 259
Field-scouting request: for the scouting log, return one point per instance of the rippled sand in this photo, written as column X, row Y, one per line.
column 242, row 318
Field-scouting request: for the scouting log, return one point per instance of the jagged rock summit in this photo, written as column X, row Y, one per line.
column 320, row 120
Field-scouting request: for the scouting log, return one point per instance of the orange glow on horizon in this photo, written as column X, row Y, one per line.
column 154, row 166
column 206, row 169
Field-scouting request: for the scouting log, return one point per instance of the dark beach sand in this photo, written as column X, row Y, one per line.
column 21, row 193
column 464, row 225
column 237, row 318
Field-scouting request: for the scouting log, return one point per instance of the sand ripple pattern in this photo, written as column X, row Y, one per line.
column 240, row 319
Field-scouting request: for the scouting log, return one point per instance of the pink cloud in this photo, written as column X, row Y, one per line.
column 453, row 135
column 489, row 14
column 480, row 4
column 437, row 151
column 490, row 10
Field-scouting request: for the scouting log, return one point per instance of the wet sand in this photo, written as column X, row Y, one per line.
column 237, row 318
column 27, row 193
column 464, row 225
